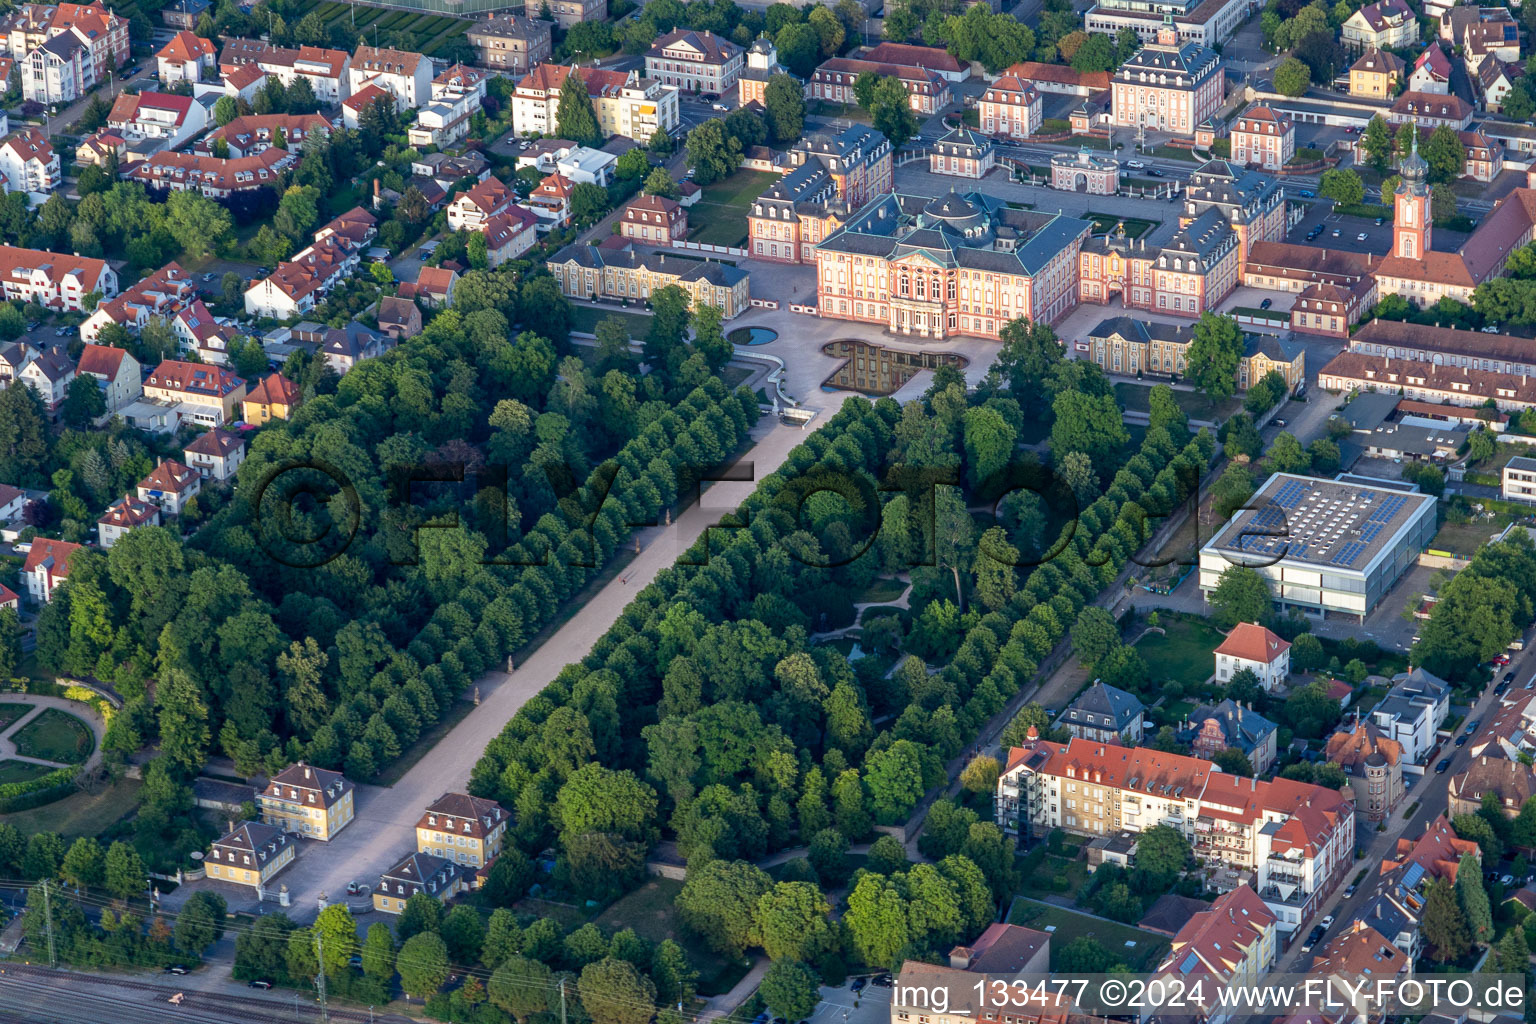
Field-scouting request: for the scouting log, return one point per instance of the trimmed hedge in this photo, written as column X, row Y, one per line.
column 21, row 796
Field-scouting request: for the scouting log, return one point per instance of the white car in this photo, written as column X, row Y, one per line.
column 1135, row 165
column 1360, row 237
column 720, row 106
column 1490, row 329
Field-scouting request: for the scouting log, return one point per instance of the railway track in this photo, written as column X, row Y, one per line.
column 66, row 997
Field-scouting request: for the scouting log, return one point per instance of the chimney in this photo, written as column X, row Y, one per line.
column 230, row 822
column 306, row 771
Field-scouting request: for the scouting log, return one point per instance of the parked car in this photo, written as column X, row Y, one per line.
column 1444, row 764
column 1490, row 329
column 1472, row 726
column 1153, row 172
column 176, row 969
column 858, row 984
column 884, row 981
column 1360, row 237
column 1350, row 891
column 353, row 888
column 1379, row 222
column 1279, row 422
column 1135, row 165
column 1306, row 193
column 1461, row 741
column 1507, row 880
column 1266, row 303
column 1313, row 938
column 1509, row 677
column 1326, row 923
column 719, row 106
column 209, row 277
column 32, row 325
column 259, row 983
column 1336, row 232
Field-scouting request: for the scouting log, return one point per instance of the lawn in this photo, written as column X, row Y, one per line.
column 734, row 376
column 55, row 735
column 1183, row 653
column 880, row 591
column 1135, row 227
column 1041, row 880
column 720, row 215
column 649, row 911
column 1139, row 949
column 1137, row 397
column 10, row 712
column 1465, row 538
column 585, row 319
column 80, row 813
column 21, row 771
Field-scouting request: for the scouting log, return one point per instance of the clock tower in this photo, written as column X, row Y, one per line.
column 1411, row 219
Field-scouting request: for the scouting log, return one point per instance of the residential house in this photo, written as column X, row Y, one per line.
column 1251, row 646
column 617, row 269
column 586, row 166
column 1106, row 714
column 1263, row 138
column 185, row 58
column 13, row 500
column 963, row 153
column 314, row 802
column 625, row 103
column 433, row 287
column 510, row 42
column 655, row 220
column 49, row 375
column 124, row 514
column 1481, row 32
column 250, row 854
column 169, row 171
column 253, row 133
column 1003, row 951
column 1485, row 156
column 324, row 70
column 510, row 234
column 442, row 123
column 1232, row 726
column 1495, row 79
column 467, row 830
column 274, row 398
column 1510, row 782
column 28, row 163
column 1010, row 108
column 216, row 454
column 13, row 359
column 1385, row 25
column 1511, row 731
column 169, row 486
column 1231, row 943
column 56, row 281
column 1359, row 957
column 1431, row 72
column 46, row 567
column 161, row 120
column 356, row 105
column 1413, row 711
column 345, row 347
column 447, row 170
column 417, row 873
column 101, row 149
column 355, row 228
column 115, row 372
column 398, row 318
column 1377, row 74
column 551, row 202
column 183, row 14
column 697, row 62
column 1374, row 764
column 198, row 331
column 212, row 395
column 69, row 48
column 9, row 599
column 472, row 210
column 158, row 295
column 1298, row 839
column 1404, row 877
column 243, row 81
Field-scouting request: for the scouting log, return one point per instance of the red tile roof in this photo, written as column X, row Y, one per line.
column 274, row 389
column 185, row 46
column 1252, row 642
column 100, row 361
column 43, row 548
column 930, row 57
column 171, row 476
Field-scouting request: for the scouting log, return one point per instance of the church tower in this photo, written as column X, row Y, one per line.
column 1411, row 219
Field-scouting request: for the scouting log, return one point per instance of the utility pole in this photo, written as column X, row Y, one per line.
column 562, row 1001
column 325, row 1013
column 48, row 921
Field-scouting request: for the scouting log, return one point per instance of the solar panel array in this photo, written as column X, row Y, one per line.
column 1339, row 525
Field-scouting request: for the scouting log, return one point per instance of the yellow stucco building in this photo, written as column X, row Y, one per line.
column 465, row 829
column 314, row 802
column 250, row 854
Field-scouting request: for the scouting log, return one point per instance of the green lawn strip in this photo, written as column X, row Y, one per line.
column 649, row 911
column 446, row 37
column 11, row 712
column 1139, row 949
column 882, row 590
column 80, row 813
column 586, row 318
column 56, row 736
column 1135, row 227
column 1184, row 653
column 21, row 771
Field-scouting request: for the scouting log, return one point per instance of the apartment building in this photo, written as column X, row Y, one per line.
column 404, row 75
column 160, row 294
column 1518, row 481
column 185, row 58
column 56, row 281
column 164, row 119
column 1385, row 25
column 216, row 454
column 1297, row 838
column 172, row 171
column 472, row 210
column 324, row 70
column 1413, row 711
column 625, row 103
column 28, row 163
column 115, row 372
column 314, row 802
column 251, row 134
column 698, row 62
column 511, row 42
column 1232, row 943
column 297, row 285
column 65, row 50
column 211, row 395
column 1374, row 764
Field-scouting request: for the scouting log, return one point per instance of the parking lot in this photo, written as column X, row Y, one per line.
column 841, row 1006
